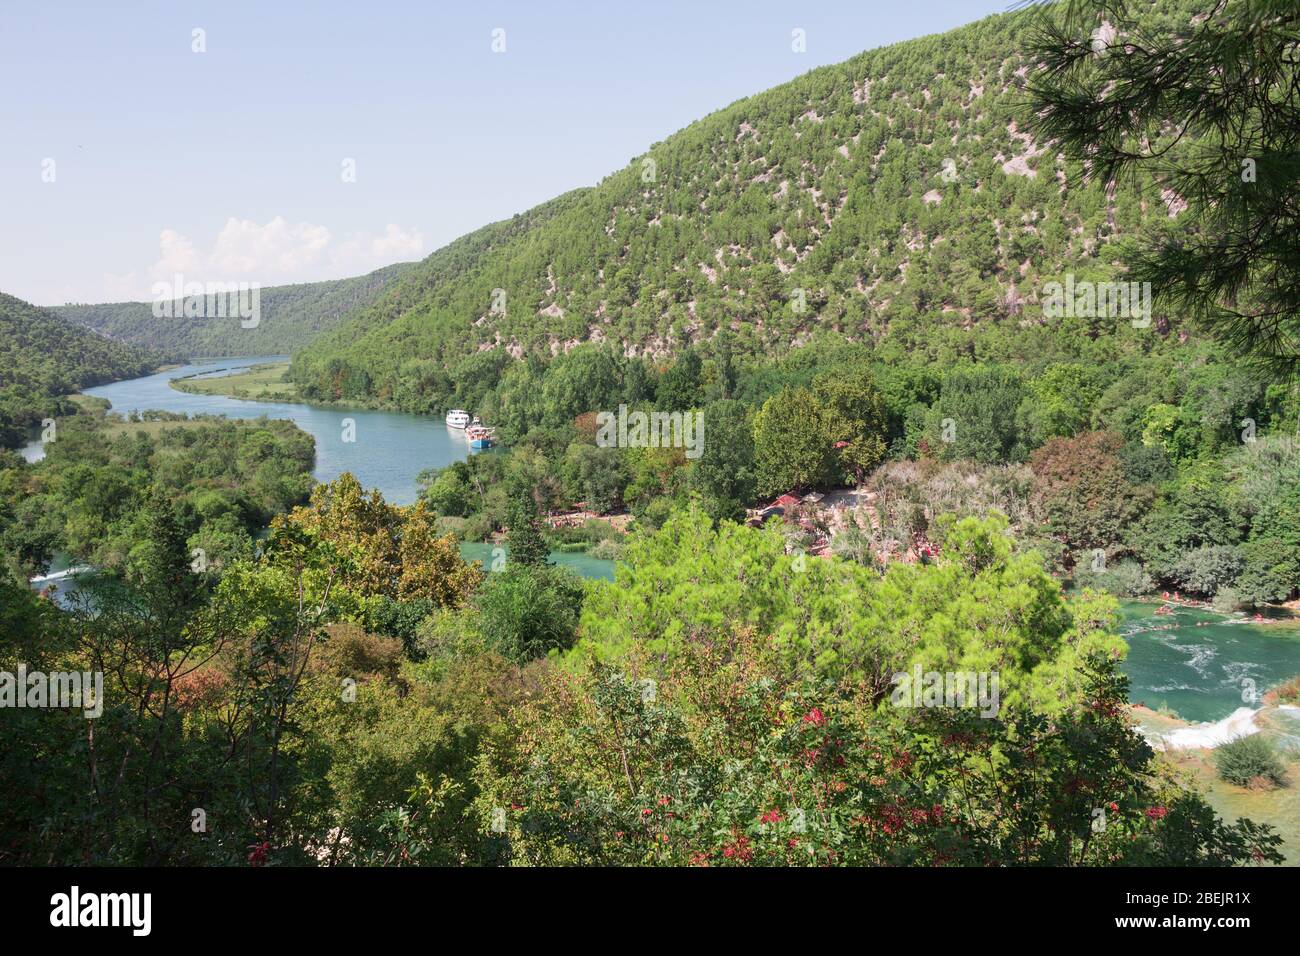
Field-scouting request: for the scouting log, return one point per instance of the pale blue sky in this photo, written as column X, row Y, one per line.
column 228, row 163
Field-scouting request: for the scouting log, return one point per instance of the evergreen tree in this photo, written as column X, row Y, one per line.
column 527, row 546
column 1204, row 113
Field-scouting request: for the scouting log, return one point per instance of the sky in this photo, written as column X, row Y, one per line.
column 285, row 141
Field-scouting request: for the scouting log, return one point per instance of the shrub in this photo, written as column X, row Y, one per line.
column 351, row 651
column 1123, row 578
column 607, row 550
column 399, row 619
column 1227, row 600
column 1248, row 761
column 1208, row 568
column 524, row 612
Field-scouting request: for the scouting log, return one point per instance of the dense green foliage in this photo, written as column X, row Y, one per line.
column 290, row 317
column 816, row 235
column 833, row 184
column 731, row 761
column 43, row 358
column 94, row 492
column 250, row 717
column 1233, row 158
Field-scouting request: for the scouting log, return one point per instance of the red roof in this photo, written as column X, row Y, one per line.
column 787, row 501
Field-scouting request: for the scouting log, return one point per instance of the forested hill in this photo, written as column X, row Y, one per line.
column 43, row 357
column 898, row 190
column 291, row 316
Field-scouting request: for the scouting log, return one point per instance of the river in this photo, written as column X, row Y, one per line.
column 390, row 450
column 1202, row 665
column 1194, row 662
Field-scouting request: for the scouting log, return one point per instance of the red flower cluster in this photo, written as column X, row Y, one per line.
column 814, row 717
column 740, row 850
column 895, row 819
column 1157, row 813
column 258, row 853
column 772, row 816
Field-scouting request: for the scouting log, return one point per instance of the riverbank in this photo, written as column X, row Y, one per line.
column 263, row 382
column 1279, row 806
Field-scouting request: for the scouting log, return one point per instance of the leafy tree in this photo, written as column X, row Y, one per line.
column 1208, row 569
column 791, row 443
column 595, row 476
column 1272, row 554
column 1191, row 515
column 1081, row 491
column 680, row 387
column 1062, row 398
column 724, row 474
column 856, row 418
column 978, row 416
column 450, row 492
column 386, row 550
column 1145, row 464
column 583, row 380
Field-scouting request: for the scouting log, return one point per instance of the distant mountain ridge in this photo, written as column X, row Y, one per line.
column 291, row 316
column 893, row 199
column 43, row 357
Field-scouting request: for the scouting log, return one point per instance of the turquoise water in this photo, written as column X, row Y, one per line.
column 390, row 449
column 583, row 565
column 1201, row 666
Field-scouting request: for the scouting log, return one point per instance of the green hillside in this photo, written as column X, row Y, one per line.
column 834, row 184
column 43, row 357
column 292, row 315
